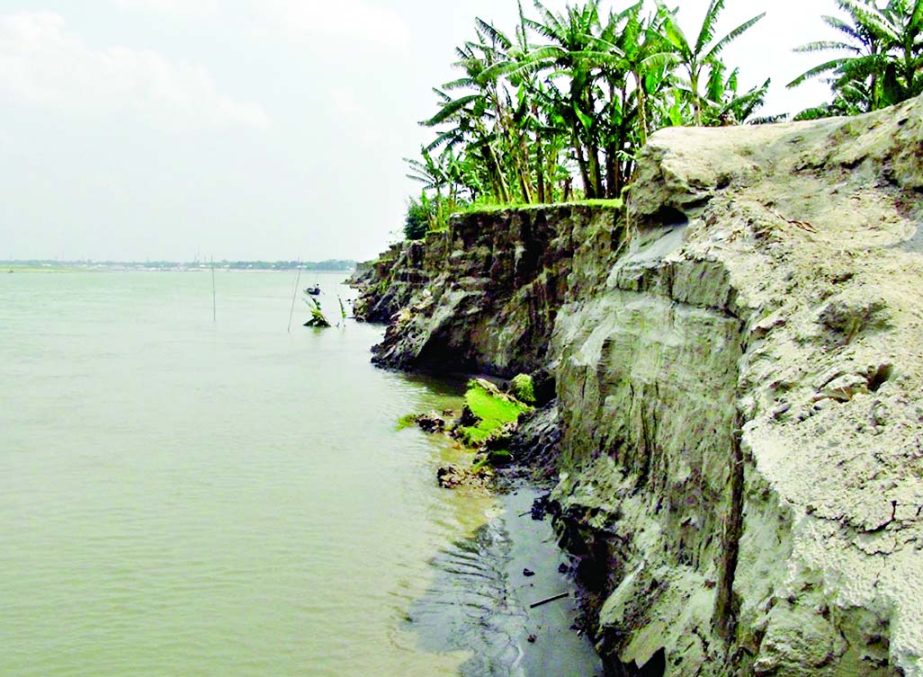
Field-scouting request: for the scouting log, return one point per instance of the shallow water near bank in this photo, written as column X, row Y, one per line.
column 482, row 598
column 183, row 496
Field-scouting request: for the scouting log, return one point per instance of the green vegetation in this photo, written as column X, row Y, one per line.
column 417, row 222
column 569, row 97
column 557, row 109
column 523, row 388
column 878, row 61
column 318, row 319
column 406, row 421
column 492, row 409
column 486, row 422
column 489, row 208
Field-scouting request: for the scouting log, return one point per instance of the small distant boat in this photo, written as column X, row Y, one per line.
column 313, row 291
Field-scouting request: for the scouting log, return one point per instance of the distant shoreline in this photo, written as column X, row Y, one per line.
column 328, row 266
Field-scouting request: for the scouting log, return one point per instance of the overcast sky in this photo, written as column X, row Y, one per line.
column 254, row 129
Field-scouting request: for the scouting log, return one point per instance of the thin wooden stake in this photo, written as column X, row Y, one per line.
column 549, row 599
column 214, row 301
column 294, row 294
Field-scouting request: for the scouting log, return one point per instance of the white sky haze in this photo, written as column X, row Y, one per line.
column 256, row 129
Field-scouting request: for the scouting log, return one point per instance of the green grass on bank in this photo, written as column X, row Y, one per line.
column 499, row 208
column 488, row 208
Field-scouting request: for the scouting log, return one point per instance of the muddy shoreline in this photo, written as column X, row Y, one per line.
column 481, row 598
column 512, row 595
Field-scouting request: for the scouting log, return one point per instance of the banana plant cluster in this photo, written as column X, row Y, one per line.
column 878, row 60
column 557, row 109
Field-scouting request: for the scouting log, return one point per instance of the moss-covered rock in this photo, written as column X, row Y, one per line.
column 523, row 389
column 490, row 410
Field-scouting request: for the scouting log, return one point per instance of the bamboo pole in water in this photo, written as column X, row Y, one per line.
column 214, row 295
column 294, row 295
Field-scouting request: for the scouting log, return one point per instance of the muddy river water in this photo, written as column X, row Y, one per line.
column 183, row 496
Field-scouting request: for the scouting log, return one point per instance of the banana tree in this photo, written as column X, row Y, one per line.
column 570, row 54
column 471, row 124
column 879, row 62
column 725, row 104
column 695, row 58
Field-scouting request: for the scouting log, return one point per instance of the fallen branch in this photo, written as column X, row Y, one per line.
column 804, row 225
column 549, row 599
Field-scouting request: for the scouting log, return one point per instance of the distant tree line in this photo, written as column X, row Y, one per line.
column 330, row 265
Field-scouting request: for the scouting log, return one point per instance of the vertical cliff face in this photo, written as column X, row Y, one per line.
column 728, row 461
column 738, row 362
column 648, row 389
column 388, row 283
column 495, row 282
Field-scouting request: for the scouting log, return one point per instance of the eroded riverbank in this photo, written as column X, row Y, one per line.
column 734, row 360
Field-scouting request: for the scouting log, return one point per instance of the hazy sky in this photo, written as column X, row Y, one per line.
column 254, row 129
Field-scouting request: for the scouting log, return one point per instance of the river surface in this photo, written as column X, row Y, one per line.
column 183, row 496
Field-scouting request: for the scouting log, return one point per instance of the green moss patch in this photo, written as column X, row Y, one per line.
column 492, row 409
column 523, row 388
column 407, row 421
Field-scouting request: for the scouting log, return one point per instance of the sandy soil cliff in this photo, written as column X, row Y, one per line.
column 738, row 370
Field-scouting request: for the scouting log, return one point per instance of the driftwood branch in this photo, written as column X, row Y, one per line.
column 555, row 598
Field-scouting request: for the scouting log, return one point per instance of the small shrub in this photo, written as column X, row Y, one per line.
column 417, row 221
column 317, row 319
